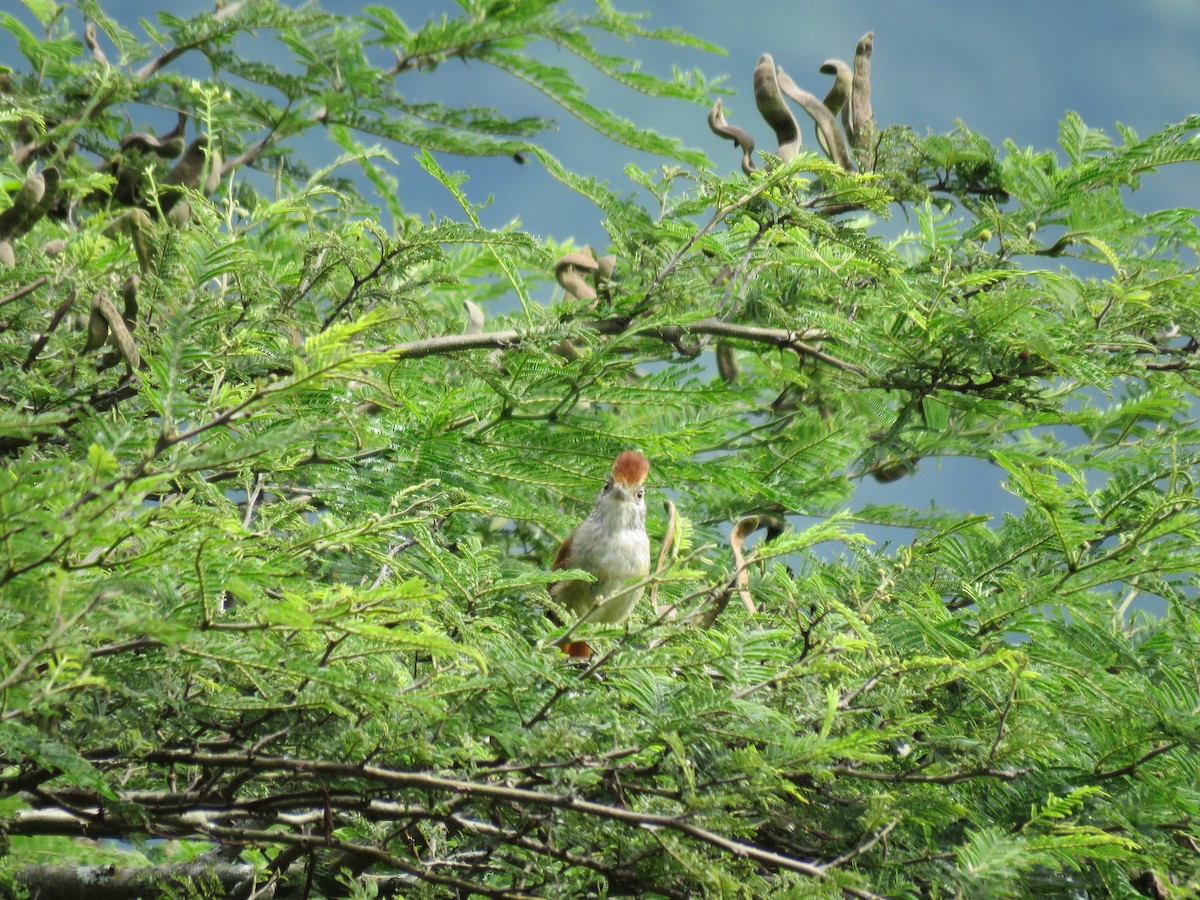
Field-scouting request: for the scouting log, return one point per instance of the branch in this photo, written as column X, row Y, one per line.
column 23, row 291
column 866, row 845
column 796, row 341
column 616, row 874
column 1137, row 763
column 485, row 790
column 915, row 778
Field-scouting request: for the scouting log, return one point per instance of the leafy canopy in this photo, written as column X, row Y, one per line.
column 284, row 464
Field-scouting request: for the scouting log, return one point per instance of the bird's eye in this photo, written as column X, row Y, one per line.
column 607, row 486
column 641, row 493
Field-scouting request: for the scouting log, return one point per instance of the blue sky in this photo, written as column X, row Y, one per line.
column 1009, row 70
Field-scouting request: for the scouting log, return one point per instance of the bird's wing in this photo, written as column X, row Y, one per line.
column 563, row 554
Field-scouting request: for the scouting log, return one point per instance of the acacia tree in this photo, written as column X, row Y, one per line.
column 281, row 484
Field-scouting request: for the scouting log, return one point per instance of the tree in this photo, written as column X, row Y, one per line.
column 281, row 484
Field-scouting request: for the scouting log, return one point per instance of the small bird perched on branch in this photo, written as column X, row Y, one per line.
column 612, row 544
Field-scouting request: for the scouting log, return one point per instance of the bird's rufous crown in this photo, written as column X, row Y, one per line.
column 630, row 468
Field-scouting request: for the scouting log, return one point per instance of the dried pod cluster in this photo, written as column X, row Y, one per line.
column 850, row 96
column 199, row 168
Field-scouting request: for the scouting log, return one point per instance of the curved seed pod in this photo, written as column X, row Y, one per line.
column 180, row 123
column 843, row 82
column 144, row 142
column 129, row 294
column 863, row 119
column 568, row 271
column 893, row 469
column 97, row 329
column 707, row 614
column 565, row 349
column 602, row 277
column 721, row 128
column 727, row 364
column 773, row 108
column 24, row 203
column 180, row 213
column 7, row 256
column 135, row 225
column 213, row 181
column 189, row 170
column 33, row 201
column 475, row 318
column 54, row 248
column 119, row 333
column 605, row 266
column 828, row 135
column 170, row 140
column 200, row 159
column 171, row 147
column 89, row 38
column 667, row 550
column 49, row 196
column 128, row 189
column 745, row 527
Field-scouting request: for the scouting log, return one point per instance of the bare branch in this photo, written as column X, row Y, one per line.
column 917, row 778
column 796, row 341
column 460, row 787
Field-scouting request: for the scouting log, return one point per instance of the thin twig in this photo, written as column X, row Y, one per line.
column 1137, row 763
column 22, row 291
column 252, row 499
column 1008, row 704
column 864, row 847
column 916, row 778
column 499, row 792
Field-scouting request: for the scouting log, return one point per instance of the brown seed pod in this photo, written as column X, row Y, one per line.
column 843, row 83
column 144, row 142
column 200, row 160
column 97, row 330
column 727, row 364
column 32, row 201
column 569, row 270
column 602, row 277
column 118, row 332
column 134, row 224
column 89, row 38
column 829, row 136
column 721, row 128
column 862, row 120
column 129, row 294
column 774, row 110
column 893, row 470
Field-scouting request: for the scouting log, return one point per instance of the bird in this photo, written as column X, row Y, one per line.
column 611, row 544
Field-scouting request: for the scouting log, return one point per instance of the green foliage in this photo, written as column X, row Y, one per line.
column 277, row 508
